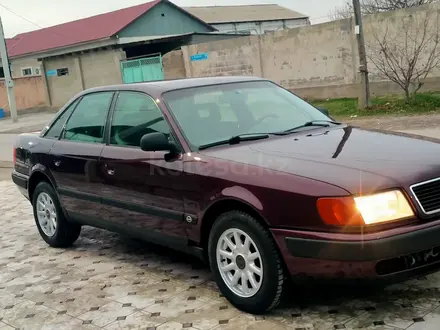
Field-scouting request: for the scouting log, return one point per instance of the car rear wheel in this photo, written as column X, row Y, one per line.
column 246, row 263
column 50, row 220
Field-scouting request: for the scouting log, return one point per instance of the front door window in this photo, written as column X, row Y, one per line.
column 134, row 116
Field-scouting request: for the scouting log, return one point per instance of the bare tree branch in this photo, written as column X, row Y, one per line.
column 375, row 6
column 343, row 12
column 407, row 49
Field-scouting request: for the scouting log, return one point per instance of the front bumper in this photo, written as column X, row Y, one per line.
column 362, row 250
column 396, row 253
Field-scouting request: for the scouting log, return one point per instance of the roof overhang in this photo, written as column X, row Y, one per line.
column 102, row 43
column 180, row 39
column 187, row 39
column 259, row 20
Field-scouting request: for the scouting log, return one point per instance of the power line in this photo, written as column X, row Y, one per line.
column 27, row 20
column 22, row 17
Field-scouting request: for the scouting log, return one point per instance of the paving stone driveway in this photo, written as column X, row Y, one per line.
column 111, row 282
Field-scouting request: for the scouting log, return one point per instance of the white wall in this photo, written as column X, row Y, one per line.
column 261, row 27
column 21, row 63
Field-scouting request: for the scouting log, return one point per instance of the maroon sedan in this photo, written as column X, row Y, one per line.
column 242, row 173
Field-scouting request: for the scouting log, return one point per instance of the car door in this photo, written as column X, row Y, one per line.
column 143, row 193
column 74, row 157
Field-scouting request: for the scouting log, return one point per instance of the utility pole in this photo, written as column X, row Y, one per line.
column 9, row 83
column 364, row 100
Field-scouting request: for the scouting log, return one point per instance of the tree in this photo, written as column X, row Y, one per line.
column 376, row 6
column 342, row 12
column 406, row 49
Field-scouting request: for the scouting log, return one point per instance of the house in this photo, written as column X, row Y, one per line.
column 254, row 19
column 125, row 45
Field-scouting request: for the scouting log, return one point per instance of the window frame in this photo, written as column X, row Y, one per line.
column 27, row 68
column 73, row 104
column 111, row 118
column 61, row 112
column 64, row 71
column 63, row 132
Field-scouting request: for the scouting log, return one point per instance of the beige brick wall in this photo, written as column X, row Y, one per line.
column 102, row 68
column 319, row 61
column 173, row 65
column 85, row 71
column 238, row 56
column 319, row 55
column 303, row 57
column 63, row 88
column 29, row 93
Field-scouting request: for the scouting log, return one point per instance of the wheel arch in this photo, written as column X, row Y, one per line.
column 36, row 177
column 222, row 206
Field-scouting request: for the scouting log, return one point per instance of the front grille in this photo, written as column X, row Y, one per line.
column 427, row 195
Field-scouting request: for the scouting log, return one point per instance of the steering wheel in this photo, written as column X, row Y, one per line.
column 261, row 119
column 271, row 115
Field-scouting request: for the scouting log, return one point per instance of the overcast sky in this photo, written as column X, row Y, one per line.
column 45, row 13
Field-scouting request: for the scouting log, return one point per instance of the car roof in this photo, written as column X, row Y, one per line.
column 169, row 85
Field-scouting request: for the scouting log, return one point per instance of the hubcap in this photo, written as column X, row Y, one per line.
column 239, row 263
column 46, row 214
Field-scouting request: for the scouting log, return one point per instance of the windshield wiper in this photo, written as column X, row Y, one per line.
column 317, row 123
column 236, row 139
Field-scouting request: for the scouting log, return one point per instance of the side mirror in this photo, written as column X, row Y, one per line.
column 157, row 142
column 324, row 111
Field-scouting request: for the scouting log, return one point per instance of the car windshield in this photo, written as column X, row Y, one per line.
column 215, row 113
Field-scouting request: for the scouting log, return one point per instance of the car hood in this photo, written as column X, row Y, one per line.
column 357, row 160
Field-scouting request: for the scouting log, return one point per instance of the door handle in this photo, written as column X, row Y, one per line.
column 110, row 171
column 57, row 163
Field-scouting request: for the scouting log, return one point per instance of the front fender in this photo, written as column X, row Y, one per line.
column 235, row 194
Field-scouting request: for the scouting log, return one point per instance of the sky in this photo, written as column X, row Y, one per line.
column 36, row 14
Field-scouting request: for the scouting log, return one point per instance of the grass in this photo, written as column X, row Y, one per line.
column 382, row 106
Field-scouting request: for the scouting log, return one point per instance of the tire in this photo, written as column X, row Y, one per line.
column 63, row 234
column 266, row 294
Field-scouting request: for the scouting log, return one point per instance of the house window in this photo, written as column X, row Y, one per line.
column 26, row 72
column 62, row 72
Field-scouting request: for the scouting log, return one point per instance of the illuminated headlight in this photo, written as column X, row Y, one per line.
column 383, row 207
column 364, row 210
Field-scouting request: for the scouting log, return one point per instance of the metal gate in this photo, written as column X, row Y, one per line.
column 144, row 69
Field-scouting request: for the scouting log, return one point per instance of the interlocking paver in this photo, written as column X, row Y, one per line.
column 4, row 326
column 107, row 281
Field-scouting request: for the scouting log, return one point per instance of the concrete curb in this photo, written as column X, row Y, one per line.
column 6, row 164
column 25, row 129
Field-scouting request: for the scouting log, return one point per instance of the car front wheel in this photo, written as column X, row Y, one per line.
column 51, row 223
column 246, row 263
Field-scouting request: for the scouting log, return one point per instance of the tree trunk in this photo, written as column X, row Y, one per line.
column 407, row 95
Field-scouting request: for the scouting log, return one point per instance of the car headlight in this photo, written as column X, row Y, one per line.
column 365, row 210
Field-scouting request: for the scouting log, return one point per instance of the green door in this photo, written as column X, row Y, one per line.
column 144, row 69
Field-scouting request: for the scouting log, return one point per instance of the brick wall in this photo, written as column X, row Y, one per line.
column 102, row 68
column 85, row 71
column 173, row 65
column 318, row 61
column 29, row 93
column 238, row 56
